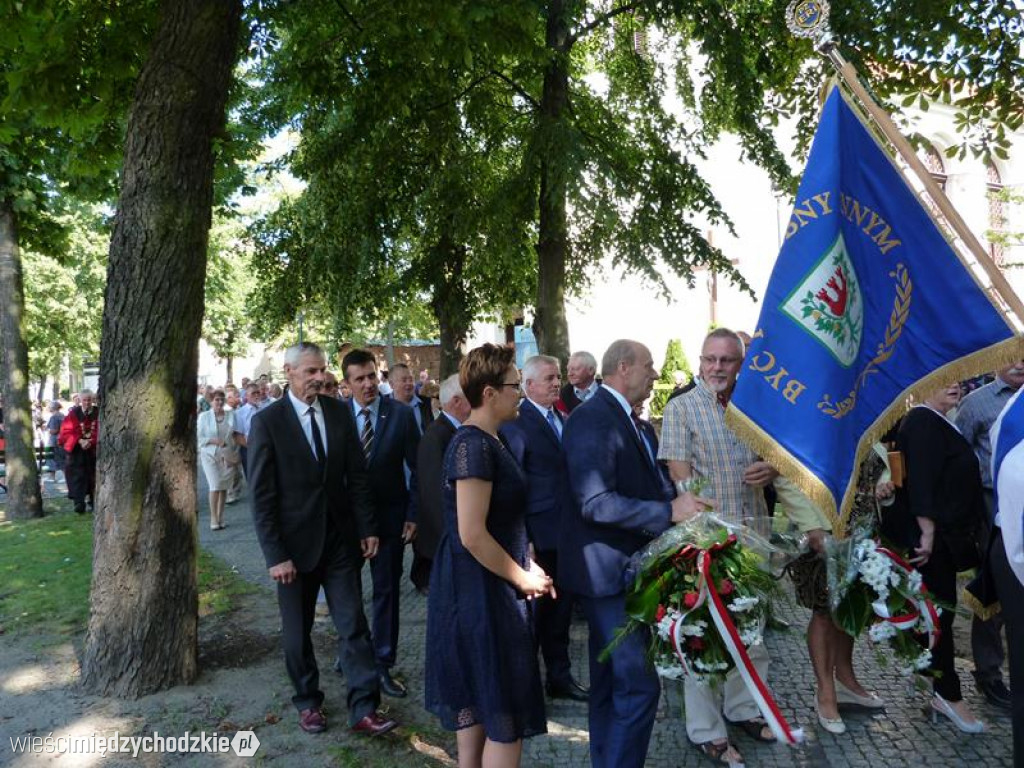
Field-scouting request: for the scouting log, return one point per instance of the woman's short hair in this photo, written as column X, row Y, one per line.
column 485, row 366
column 218, row 393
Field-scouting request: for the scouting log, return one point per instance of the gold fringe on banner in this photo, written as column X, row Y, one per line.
column 983, row 612
column 991, row 358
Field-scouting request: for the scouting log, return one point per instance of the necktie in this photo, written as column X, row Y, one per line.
column 643, row 437
column 366, row 436
column 318, row 443
column 553, row 421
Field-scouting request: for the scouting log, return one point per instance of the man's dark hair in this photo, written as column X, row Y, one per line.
column 357, row 357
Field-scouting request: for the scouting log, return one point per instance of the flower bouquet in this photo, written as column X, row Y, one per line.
column 872, row 589
column 703, row 589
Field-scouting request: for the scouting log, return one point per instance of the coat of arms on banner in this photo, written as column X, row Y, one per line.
column 828, row 305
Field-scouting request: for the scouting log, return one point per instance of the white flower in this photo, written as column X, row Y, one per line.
column 881, row 630
column 703, row 666
column 914, row 581
column 669, row 672
column 750, row 635
column 743, row 604
column 693, row 628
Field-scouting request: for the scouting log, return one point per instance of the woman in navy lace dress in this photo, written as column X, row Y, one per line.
column 482, row 677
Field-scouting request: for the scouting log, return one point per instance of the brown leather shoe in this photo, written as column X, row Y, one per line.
column 374, row 725
column 312, row 720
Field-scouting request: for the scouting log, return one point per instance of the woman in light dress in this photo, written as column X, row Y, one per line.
column 218, row 454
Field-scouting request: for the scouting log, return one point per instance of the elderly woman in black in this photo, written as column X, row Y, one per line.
column 937, row 512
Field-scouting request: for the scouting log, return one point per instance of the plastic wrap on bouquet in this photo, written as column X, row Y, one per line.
column 873, row 589
column 703, row 588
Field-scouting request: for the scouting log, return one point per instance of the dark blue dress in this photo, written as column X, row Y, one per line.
column 481, row 659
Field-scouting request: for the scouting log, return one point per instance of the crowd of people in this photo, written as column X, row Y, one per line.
column 522, row 496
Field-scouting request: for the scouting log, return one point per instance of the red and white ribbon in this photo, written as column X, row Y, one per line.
column 708, row 592
column 921, row 607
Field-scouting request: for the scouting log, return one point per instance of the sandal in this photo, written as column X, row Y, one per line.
column 719, row 753
column 755, row 728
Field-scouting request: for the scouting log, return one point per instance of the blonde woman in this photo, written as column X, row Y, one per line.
column 218, row 454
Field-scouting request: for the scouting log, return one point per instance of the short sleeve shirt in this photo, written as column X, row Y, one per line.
column 694, row 430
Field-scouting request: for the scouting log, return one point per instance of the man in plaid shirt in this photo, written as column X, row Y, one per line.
column 696, row 443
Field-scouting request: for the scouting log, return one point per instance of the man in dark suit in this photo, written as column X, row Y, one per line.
column 581, row 371
column 389, row 438
column 622, row 499
column 314, row 519
column 404, row 387
column 535, row 439
column 429, row 462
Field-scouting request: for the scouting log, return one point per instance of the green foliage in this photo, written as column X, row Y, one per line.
column 675, row 360
column 229, row 282
column 64, row 294
column 429, row 215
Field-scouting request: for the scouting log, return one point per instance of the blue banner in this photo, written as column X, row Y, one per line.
column 868, row 303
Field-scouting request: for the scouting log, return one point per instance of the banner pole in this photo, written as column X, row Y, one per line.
column 999, row 282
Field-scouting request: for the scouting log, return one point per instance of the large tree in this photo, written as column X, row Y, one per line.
column 143, row 623
column 412, row 190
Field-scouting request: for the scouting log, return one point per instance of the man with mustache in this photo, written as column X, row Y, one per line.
column 697, row 444
column 975, row 416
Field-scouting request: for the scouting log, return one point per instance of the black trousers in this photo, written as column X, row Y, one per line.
column 987, row 634
column 338, row 572
column 80, row 473
column 386, row 572
column 552, row 619
column 1011, row 598
column 940, row 576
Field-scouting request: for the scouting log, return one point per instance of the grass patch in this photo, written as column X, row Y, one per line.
column 219, row 586
column 46, row 570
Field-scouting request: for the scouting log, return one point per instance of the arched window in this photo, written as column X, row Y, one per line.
column 996, row 210
column 933, row 162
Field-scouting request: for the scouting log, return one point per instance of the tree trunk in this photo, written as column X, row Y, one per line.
column 144, row 605
column 451, row 304
column 22, row 481
column 550, row 326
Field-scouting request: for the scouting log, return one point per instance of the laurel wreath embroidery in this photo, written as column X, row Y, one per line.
column 893, row 331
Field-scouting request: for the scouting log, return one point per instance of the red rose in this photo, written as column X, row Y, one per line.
column 660, row 614
column 696, row 644
column 690, row 599
column 725, row 587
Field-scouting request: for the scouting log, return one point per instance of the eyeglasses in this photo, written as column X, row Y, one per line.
column 710, row 360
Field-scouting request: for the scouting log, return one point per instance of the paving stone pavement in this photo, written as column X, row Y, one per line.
column 899, row 736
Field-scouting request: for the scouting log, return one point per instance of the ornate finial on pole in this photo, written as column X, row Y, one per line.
column 809, row 18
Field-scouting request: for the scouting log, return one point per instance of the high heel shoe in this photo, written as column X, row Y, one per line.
column 845, row 696
column 832, row 725
column 939, row 706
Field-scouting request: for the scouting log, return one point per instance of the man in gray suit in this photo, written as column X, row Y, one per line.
column 314, row 519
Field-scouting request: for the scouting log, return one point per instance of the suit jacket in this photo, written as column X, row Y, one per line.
column 206, row 429
column 537, row 449
column 396, row 439
column 429, row 466
column 293, row 497
column 620, row 498
column 426, row 415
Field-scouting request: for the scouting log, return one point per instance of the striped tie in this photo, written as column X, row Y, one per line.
column 366, row 436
